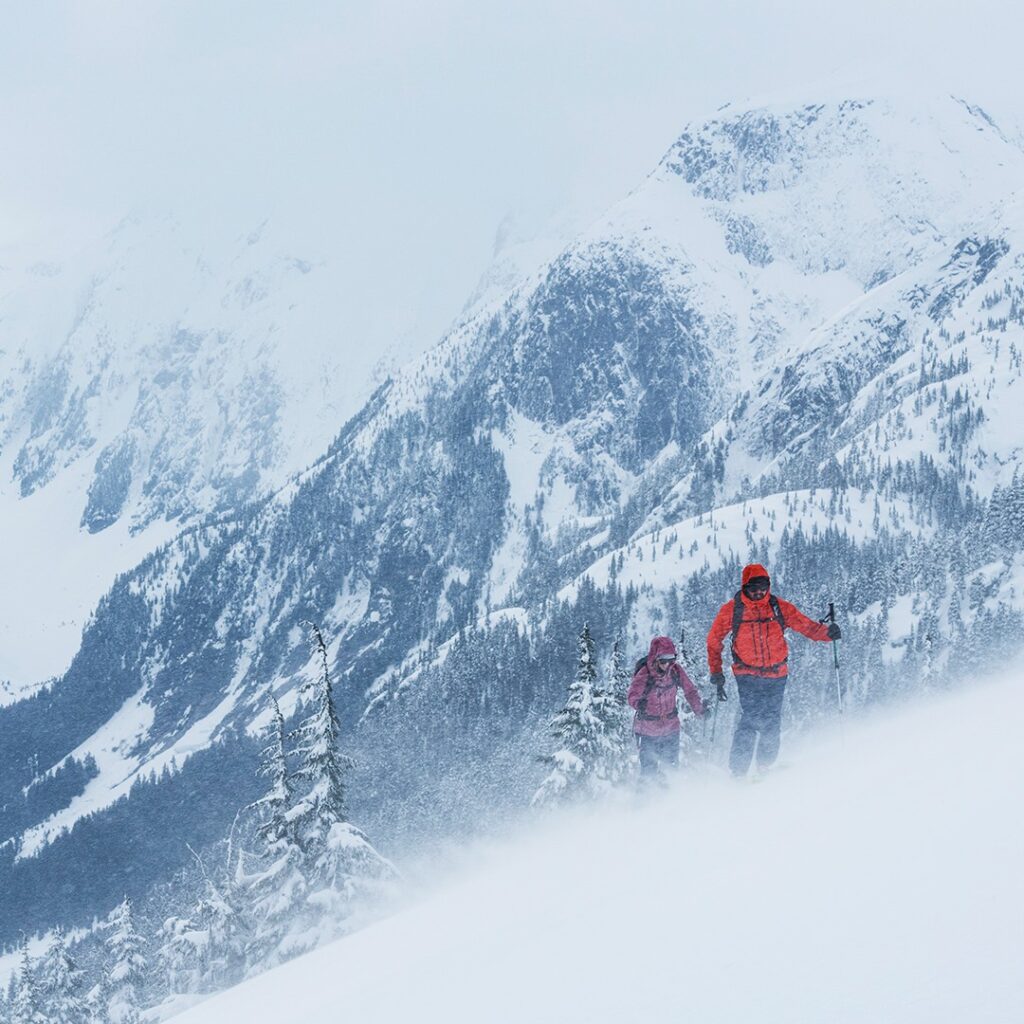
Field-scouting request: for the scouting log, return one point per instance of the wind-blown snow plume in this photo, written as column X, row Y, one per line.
column 812, row 896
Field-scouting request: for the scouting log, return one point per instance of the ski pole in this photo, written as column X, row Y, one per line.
column 831, row 617
column 709, row 745
column 684, row 658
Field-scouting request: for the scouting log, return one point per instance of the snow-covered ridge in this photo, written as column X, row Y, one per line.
column 677, row 550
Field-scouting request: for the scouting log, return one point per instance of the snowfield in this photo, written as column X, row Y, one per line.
column 876, row 878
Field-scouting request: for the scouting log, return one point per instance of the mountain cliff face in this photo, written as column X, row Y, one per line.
column 180, row 367
column 799, row 338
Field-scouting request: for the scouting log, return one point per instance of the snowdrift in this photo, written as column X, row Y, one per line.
column 877, row 878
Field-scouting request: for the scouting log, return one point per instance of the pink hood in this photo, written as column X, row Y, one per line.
column 660, row 645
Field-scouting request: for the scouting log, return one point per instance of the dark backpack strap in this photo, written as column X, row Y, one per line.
column 641, row 704
column 776, row 610
column 737, row 614
column 737, row 621
column 668, row 716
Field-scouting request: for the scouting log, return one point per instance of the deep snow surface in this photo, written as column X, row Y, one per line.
column 877, row 878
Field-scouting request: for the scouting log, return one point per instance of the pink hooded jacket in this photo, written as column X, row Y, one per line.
column 652, row 694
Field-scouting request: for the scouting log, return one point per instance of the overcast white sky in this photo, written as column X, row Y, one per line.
column 404, row 132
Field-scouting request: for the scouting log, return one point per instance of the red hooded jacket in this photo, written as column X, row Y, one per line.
column 652, row 694
column 759, row 644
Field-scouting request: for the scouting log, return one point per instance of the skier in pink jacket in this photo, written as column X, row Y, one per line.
column 652, row 695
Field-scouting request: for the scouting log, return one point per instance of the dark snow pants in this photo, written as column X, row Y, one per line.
column 760, row 722
column 658, row 751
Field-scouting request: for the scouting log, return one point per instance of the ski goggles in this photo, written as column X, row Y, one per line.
column 665, row 659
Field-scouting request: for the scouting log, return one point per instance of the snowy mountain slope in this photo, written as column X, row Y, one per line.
column 790, row 211
column 874, row 879
column 906, row 398
column 835, row 186
column 180, row 365
column 925, row 366
column 615, row 394
column 54, row 574
column 169, row 371
column 729, row 533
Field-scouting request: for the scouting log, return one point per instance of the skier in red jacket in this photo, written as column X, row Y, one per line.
column 652, row 694
column 758, row 620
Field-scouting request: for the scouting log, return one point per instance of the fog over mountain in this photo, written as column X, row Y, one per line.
column 369, row 378
column 167, row 372
column 799, row 340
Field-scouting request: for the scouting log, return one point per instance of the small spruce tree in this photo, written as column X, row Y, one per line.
column 126, row 975
column 612, row 711
column 339, row 861
column 271, row 878
column 60, row 983
column 26, row 1006
column 587, row 733
column 181, row 955
column 322, row 766
column 223, row 929
column 96, row 1004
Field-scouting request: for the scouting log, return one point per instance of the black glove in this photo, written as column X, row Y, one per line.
column 834, row 632
column 718, row 679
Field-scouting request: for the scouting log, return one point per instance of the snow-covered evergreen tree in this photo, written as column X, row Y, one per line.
column 201, row 948
column 588, row 732
column 272, row 878
column 928, row 630
column 620, row 672
column 339, row 861
column 322, row 766
column 59, row 984
column 26, row 1006
column 181, row 955
column 126, row 974
column 612, row 712
column 274, row 806
column 96, row 1005
column 350, row 872
column 223, row 931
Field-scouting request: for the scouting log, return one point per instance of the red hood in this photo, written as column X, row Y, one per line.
column 751, row 572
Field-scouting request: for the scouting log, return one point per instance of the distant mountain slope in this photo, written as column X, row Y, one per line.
column 168, row 372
